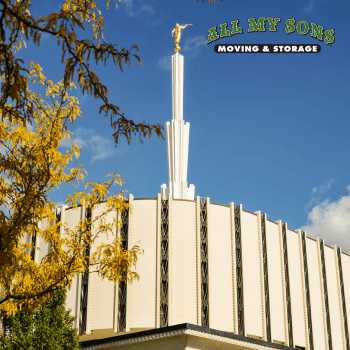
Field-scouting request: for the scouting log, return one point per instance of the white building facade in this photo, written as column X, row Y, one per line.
column 218, row 267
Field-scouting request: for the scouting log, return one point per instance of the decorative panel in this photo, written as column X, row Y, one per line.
column 122, row 290
column 287, row 285
column 239, row 269
column 164, row 264
column 85, row 284
column 266, row 278
column 204, row 264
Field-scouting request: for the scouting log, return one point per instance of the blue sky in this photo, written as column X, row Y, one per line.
column 268, row 131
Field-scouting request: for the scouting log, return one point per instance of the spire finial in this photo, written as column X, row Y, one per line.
column 177, row 31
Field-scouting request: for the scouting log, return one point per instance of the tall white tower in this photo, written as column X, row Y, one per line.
column 177, row 138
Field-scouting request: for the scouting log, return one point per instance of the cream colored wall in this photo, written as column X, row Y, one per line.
column 275, row 282
column 296, row 292
column 72, row 217
column 220, row 268
column 101, row 292
column 142, row 232
column 252, row 282
column 316, row 296
column 346, row 280
column 333, row 300
column 184, row 275
column 43, row 247
column 183, row 288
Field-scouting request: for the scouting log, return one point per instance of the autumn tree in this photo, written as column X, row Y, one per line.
column 31, row 129
column 31, row 165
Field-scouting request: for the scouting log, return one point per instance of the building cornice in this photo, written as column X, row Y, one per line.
column 179, row 330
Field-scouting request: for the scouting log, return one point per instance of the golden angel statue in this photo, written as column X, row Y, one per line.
column 177, row 31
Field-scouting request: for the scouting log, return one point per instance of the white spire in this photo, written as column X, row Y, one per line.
column 177, row 138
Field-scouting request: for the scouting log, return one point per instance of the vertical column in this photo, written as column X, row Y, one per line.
column 341, row 293
column 325, row 293
column 302, row 237
column 158, row 261
column 285, row 311
column 79, row 287
column 266, row 278
column 287, row 285
column 123, row 287
column 198, row 262
column 164, row 264
column 129, row 244
column 116, row 287
column 265, row 320
column 91, row 278
column 85, row 282
column 234, row 268
column 34, row 242
column 37, row 245
column 239, row 270
column 170, row 261
column 204, row 262
column 325, row 309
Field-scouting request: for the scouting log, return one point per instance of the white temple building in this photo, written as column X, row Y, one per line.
column 212, row 276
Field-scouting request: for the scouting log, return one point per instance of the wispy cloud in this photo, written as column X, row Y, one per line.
column 193, row 45
column 317, row 193
column 100, row 147
column 331, row 221
column 131, row 10
column 309, row 7
column 190, row 49
column 165, row 62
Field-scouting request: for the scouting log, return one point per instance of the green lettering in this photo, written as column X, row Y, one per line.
column 273, row 22
column 256, row 26
column 300, row 26
column 329, row 34
column 213, row 35
column 236, row 29
column 290, row 28
column 317, row 31
column 224, row 30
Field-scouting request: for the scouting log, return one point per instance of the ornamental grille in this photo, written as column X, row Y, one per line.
column 343, row 299
column 266, row 279
column 204, row 264
column 325, row 291
column 122, row 291
column 32, row 253
column 85, row 283
column 164, row 264
column 287, row 284
column 239, row 270
column 307, row 292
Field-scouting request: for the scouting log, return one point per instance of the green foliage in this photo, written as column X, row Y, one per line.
column 48, row 327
